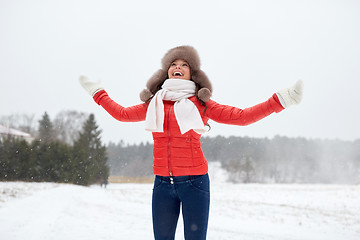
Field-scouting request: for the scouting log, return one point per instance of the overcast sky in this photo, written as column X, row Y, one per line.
column 248, row 49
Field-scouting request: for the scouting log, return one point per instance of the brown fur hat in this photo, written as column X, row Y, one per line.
column 190, row 55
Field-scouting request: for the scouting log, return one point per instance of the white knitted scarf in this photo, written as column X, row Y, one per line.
column 186, row 113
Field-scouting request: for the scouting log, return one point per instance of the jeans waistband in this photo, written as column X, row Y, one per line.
column 179, row 178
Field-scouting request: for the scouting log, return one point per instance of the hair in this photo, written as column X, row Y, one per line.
column 197, row 88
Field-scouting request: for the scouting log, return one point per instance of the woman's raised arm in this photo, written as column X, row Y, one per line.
column 237, row 116
column 135, row 113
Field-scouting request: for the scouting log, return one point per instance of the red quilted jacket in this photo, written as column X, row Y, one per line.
column 177, row 154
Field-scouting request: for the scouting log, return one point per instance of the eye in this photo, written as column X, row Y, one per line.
column 185, row 65
column 173, row 64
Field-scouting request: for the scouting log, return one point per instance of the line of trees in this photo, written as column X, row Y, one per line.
column 259, row 160
column 58, row 154
column 63, row 153
column 130, row 160
column 286, row 160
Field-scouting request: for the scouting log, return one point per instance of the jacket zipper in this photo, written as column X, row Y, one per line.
column 169, row 154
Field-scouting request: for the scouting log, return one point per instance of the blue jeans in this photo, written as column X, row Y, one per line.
column 193, row 194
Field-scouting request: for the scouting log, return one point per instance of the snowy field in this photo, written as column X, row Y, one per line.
column 34, row 211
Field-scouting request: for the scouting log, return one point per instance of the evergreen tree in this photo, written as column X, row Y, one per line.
column 51, row 159
column 20, row 159
column 90, row 155
column 5, row 159
column 46, row 129
column 14, row 156
column 64, row 162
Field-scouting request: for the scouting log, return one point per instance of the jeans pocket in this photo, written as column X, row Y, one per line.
column 201, row 183
column 157, row 183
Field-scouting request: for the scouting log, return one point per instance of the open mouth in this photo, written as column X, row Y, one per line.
column 177, row 74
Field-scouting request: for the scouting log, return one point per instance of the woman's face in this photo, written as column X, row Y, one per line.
column 179, row 69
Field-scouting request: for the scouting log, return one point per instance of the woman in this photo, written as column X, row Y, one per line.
column 176, row 110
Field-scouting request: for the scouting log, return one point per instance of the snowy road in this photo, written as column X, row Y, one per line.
column 35, row 211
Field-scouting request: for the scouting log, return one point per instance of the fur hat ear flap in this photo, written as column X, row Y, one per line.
column 157, row 79
column 153, row 84
column 205, row 91
column 145, row 95
column 204, row 94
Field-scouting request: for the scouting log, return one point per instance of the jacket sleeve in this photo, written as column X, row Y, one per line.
column 236, row 116
column 134, row 113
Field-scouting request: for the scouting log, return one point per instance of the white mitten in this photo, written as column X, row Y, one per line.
column 291, row 95
column 91, row 87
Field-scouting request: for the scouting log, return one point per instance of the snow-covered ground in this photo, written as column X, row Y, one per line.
column 34, row 211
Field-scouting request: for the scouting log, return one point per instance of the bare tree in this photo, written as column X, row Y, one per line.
column 24, row 122
column 67, row 125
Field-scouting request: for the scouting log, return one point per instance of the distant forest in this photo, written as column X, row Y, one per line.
column 258, row 160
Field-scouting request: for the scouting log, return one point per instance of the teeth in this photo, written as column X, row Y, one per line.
column 178, row 74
